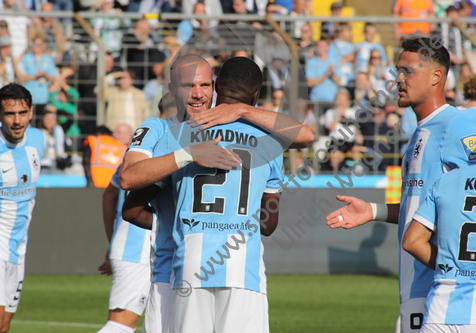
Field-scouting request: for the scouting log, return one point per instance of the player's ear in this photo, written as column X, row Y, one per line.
column 254, row 99
column 437, row 76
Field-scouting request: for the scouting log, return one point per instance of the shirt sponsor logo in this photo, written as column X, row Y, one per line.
column 469, row 145
column 139, row 136
column 408, row 183
column 191, row 224
column 445, row 268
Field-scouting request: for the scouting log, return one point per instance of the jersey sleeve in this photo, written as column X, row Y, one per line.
column 459, row 145
column 276, row 176
column 145, row 137
column 426, row 214
column 115, row 178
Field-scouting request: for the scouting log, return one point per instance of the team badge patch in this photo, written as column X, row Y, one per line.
column 469, row 146
column 417, row 150
column 139, row 136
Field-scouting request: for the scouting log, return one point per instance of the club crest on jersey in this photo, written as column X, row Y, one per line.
column 469, row 145
column 24, row 179
column 191, row 224
column 34, row 162
column 417, row 150
column 139, row 136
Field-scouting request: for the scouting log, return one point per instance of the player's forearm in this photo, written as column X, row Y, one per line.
column 147, row 172
column 269, row 214
column 422, row 250
column 109, row 204
column 136, row 209
column 285, row 126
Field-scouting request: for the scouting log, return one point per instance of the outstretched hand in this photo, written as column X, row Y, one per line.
column 221, row 114
column 356, row 213
column 105, row 267
column 210, row 155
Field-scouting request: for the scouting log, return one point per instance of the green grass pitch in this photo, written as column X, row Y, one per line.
column 297, row 303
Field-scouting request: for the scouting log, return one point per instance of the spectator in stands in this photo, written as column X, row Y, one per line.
column 365, row 48
column 126, row 104
column 109, row 28
column 54, row 155
column 38, row 72
column 467, row 8
column 363, row 88
column 87, row 77
column 306, row 44
column 17, row 27
column 4, row 28
column 155, row 85
column 123, row 134
column 239, row 7
column 329, row 29
column 451, row 36
column 188, row 28
column 299, row 9
column 240, row 53
column 323, row 76
column 337, row 117
column 412, row 9
column 9, row 69
column 51, row 31
column 142, row 53
column 212, row 8
column 345, row 51
column 64, row 97
column 377, row 72
column 465, row 71
column 102, row 155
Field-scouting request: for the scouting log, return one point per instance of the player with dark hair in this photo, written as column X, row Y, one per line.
column 21, row 150
column 469, row 92
column 443, row 141
column 210, row 218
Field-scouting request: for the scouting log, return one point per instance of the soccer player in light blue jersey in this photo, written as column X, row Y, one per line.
column 128, row 260
column 21, row 149
column 449, row 212
column 214, row 213
column 445, row 139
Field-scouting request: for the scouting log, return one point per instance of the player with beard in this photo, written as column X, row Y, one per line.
column 443, row 141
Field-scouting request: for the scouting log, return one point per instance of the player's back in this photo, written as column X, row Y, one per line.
column 20, row 169
column 452, row 201
column 440, row 143
column 217, row 238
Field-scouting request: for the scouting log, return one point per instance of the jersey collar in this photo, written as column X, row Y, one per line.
column 432, row 115
column 12, row 145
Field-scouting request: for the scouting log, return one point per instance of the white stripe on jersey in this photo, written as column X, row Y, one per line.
column 8, row 209
column 9, row 172
column 262, row 269
column 32, row 154
column 438, row 309
column 236, row 264
column 415, row 161
column 119, row 241
column 407, row 268
column 473, row 308
column 145, row 255
column 22, row 246
column 192, row 259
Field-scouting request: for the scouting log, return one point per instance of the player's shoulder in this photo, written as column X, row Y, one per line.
column 34, row 135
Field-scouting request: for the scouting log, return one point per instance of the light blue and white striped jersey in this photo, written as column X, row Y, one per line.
column 144, row 141
column 443, row 141
column 20, row 168
column 450, row 211
column 128, row 242
column 217, row 239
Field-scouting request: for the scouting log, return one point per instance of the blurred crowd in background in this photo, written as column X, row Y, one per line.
column 343, row 62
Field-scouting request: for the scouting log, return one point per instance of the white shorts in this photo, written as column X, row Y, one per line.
column 218, row 310
column 130, row 286
column 441, row 328
column 156, row 309
column 411, row 314
column 11, row 283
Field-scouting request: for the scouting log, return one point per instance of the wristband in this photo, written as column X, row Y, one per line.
column 380, row 211
column 183, row 157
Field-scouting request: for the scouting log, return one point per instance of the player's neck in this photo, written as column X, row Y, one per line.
column 228, row 100
column 471, row 104
column 428, row 107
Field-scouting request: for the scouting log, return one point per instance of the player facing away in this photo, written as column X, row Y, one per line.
column 214, row 214
column 469, row 92
column 449, row 211
column 442, row 142
column 21, row 149
column 127, row 259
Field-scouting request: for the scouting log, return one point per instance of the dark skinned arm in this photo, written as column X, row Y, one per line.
column 136, row 209
column 269, row 217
